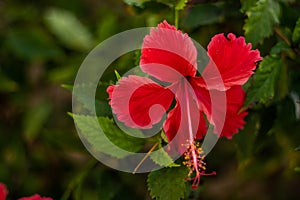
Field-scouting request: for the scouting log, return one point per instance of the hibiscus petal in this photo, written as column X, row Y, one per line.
column 3, row 191
column 234, row 116
column 224, row 113
column 139, row 102
column 171, row 50
column 232, row 59
column 177, row 125
column 35, row 197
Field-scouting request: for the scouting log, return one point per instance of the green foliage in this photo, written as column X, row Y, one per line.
column 247, row 4
column 7, row 85
column 177, row 4
column 34, row 120
column 161, row 157
column 262, row 89
column 138, row 3
column 90, row 131
column 83, row 94
column 209, row 13
column 32, row 44
column 261, row 20
column 279, row 47
column 164, row 185
column 296, row 32
column 181, row 4
column 68, row 29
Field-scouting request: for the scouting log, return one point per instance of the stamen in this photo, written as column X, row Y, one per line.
column 194, row 161
column 194, row 155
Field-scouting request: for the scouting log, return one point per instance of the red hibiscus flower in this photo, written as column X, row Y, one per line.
column 35, row 197
column 170, row 57
column 3, row 191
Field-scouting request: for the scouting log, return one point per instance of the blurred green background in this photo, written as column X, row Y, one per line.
column 42, row 44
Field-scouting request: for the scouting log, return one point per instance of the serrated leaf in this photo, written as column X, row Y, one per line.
column 162, row 158
column 99, row 142
column 261, row 19
column 84, row 92
column 164, row 136
column 168, row 183
column 68, row 29
column 296, row 32
column 262, row 89
column 118, row 137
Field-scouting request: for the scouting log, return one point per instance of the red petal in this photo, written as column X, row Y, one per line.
column 232, row 58
column 177, row 123
column 226, row 116
column 234, row 118
column 110, row 90
column 139, row 102
column 35, row 197
column 167, row 49
column 3, row 191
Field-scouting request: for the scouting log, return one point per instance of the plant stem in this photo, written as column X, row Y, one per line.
column 176, row 16
column 146, row 156
column 285, row 39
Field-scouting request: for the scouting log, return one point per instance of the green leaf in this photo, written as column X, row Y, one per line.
column 68, row 29
column 61, row 74
column 162, row 158
column 279, row 47
column 262, row 89
column 181, row 4
column 247, row 4
column 282, row 83
column 296, row 32
column 177, row 4
column 83, row 94
column 298, row 148
column 246, row 138
column 7, row 85
column 168, row 183
column 34, row 120
column 297, row 169
column 117, row 75
column 32, row 44
column 90, row 132
column 209, row 13
column 261, row 19
column 164, row 136
column 170, row 3
column 138, row 3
